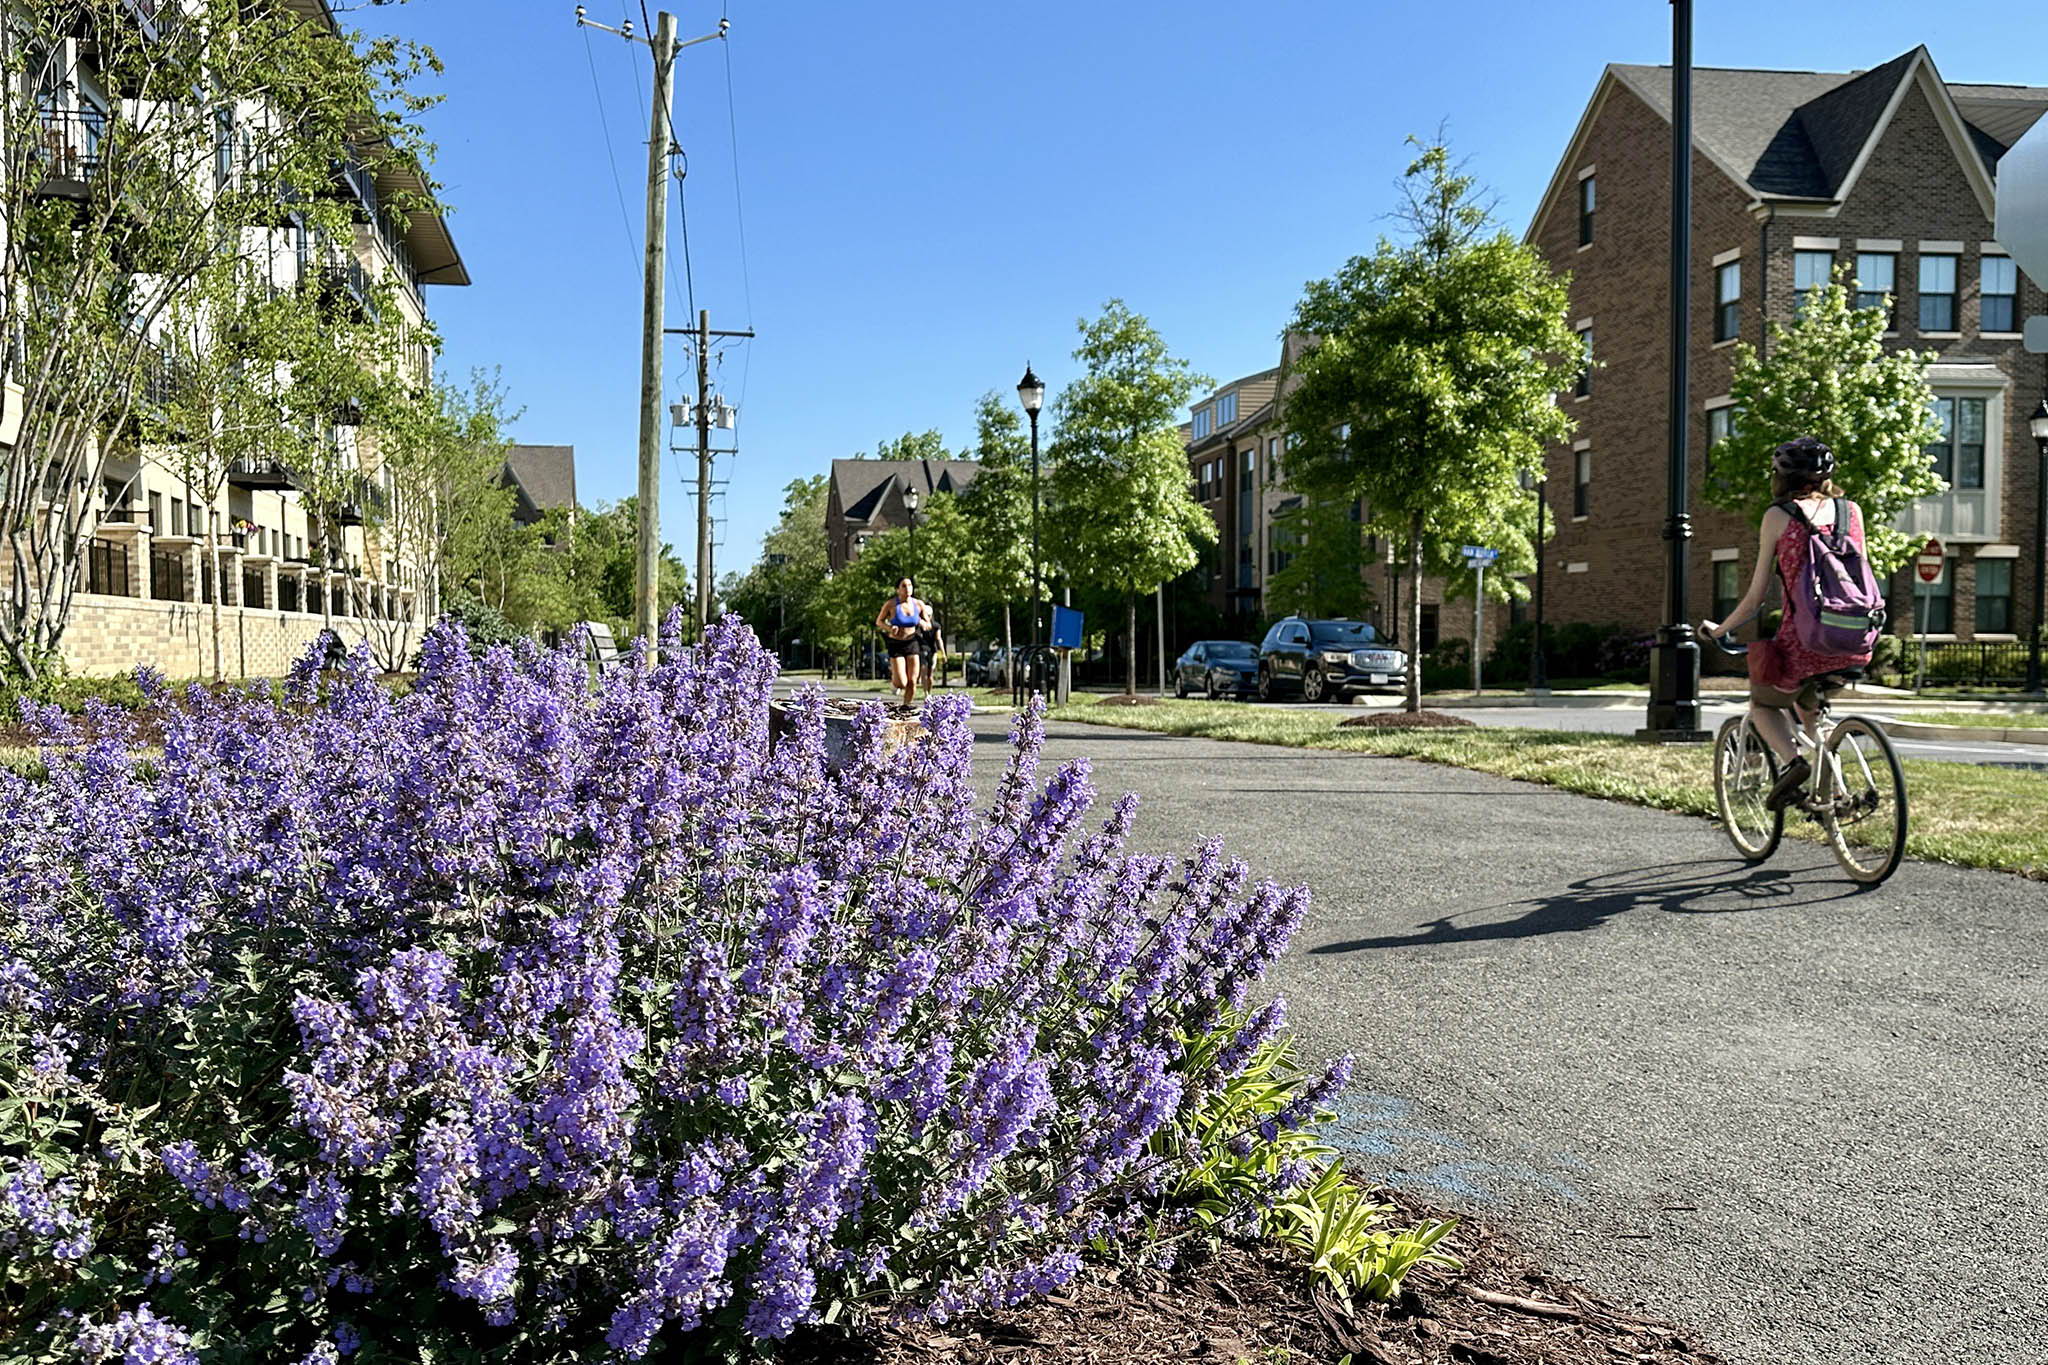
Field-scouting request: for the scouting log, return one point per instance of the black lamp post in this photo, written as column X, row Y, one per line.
column 1031, row 392
column 1675, row 661
column 912, row 500
column 2038, row 424
column 1539, row 672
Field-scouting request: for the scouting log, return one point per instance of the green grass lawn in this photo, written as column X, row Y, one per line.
column 1960, row 813
column 1985, row 720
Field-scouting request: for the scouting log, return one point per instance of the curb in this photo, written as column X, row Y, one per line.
column 1913, row 729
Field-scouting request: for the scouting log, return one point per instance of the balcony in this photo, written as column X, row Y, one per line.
column 354, row 186
column 346, row 292
column 262, row 474
column 69, row 150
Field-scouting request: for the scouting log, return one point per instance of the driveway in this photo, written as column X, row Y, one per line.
column 1803, row 1119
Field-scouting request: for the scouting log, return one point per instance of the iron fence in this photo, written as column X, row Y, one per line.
column 168, row 579
column 106, row 568
column 1958, row 663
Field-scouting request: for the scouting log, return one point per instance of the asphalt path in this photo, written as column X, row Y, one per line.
column 1806, row 1120
column 1626, row 720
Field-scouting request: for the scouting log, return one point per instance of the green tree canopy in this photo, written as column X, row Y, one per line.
column 1432, row 387
column 1830, row 375
column 1127, row 519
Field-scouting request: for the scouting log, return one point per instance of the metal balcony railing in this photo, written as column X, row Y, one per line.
column 69, row 149
column 263, row 472
column 355, row 185
column 346, row 289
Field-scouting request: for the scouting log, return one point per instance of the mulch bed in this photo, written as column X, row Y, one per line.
column 1408, row 720
column 1258, row 1305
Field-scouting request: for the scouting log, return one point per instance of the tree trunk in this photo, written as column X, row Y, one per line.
column 219, row 586
column 1009, row 649
column 1131, row 638
column 1415, row 612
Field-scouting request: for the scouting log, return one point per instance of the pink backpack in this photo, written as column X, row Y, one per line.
column 1835, row 602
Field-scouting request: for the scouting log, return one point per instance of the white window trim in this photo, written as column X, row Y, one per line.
column 1577, row 566
column 1880, row 246
column 1993, row 391
column 1816, row 244
column 1725, row 257
column 1724, row 401
column 1586, row 173
column 1578, row 446
column 1940, row 248
column 1724, row 556
column 1998, row 552
column 1991, row 249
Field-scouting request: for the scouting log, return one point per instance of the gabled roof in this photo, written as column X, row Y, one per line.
column 1804, row 136
column 544, row 476
column 866, row 487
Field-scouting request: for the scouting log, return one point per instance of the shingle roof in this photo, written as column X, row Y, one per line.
column 868, row 486
column 1798, row 134
column 544, row 475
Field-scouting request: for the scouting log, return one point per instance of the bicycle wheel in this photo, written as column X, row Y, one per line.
column 1864, row 812
column 1744, row 770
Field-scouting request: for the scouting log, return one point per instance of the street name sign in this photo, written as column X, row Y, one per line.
column 1930, row 561
column 1479, row 554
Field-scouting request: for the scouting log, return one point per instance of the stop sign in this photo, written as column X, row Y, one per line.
column 1930, row 561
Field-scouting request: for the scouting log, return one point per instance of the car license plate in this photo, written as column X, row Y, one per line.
column 1378, row 679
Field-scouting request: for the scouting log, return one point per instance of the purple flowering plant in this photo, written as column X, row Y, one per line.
column 525, row 1016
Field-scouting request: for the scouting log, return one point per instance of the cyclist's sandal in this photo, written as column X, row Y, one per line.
column 1786, row 789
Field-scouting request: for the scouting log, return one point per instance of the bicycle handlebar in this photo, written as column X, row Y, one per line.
column 1725, row 642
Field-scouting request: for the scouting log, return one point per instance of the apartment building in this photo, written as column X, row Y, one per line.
column 292, row 563
column 1887, row 171
column 1236, row 438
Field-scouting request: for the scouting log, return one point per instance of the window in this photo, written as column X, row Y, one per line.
column 1273, row 460
column 1937, row 293
column 1877, row 282
column 1810, row 271
column 1585, row 385
column 1997, row 294
column 1582, row 483
column 1202, row 418
column 157, row 525
column 1994, row 596
column 1727, row 300
column 1586, row 210
column 1720, row 425
column 1226, row 409
column 1935, row 603
column 1959, row 455
column 1247, row 470
column 178, row 517
column 1727, row 587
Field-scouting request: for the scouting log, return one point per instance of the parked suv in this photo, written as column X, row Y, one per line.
column 1326, row 659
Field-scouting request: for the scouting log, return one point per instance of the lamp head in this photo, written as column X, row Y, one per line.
column 912, row 499
column 1031, row 390
column 2038, row 422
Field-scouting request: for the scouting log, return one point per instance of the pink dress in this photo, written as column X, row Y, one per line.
column 1782, row 662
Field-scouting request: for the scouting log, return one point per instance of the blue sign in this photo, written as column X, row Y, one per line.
column 1066, row 628
column 1479, row 554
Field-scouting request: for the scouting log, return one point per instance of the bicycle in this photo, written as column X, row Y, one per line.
column 1856, row 793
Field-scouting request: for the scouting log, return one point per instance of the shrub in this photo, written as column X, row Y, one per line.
column 1571, row 649
column 521, row 1020
column 1625, row 656
column 68, row 693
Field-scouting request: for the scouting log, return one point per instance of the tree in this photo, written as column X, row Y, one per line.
column 1323, row 541
column 1432, row 387
column 1830, row 375
column 785, row 584
column 997, row 507
column 1128, row 521
column 113, row 210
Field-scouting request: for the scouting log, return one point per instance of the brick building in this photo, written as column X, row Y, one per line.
column 1236, row 450
column 1888, row 171
column 865, row 498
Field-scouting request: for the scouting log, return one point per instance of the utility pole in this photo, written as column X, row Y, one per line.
column 660, row 147
column 703, row 471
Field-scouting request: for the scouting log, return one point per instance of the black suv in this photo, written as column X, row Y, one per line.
column 1326, row 659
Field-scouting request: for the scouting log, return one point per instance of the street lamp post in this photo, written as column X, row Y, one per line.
column 1031, row 392
column 1675, row 662
column 1539, row 672
column 911, row 501
column 2038, row 424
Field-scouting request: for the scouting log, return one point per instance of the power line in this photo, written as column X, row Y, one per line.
column 739, row 210
column 618, row 188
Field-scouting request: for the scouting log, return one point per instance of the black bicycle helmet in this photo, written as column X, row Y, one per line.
column 1804, row 458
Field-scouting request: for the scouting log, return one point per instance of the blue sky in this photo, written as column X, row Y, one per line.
column 933, row 191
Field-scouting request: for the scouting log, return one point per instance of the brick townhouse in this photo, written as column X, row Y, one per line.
column 866, row 497
column 1887, row 171
column 1236, row 450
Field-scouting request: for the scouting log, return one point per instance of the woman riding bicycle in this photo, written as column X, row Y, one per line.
column 1783, row 670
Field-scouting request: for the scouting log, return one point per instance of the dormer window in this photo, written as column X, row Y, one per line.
column 1226, row 409
column 1203, row 422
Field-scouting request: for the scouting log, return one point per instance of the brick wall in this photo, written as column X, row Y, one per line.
column 111, row 635
column 1610, row 566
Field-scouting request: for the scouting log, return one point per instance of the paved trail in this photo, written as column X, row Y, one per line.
column 1806, row 1120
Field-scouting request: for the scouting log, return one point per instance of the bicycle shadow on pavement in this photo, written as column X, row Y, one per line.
column 1588, row 903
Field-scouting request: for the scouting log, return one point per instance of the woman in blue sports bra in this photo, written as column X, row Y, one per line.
column 900, row 620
